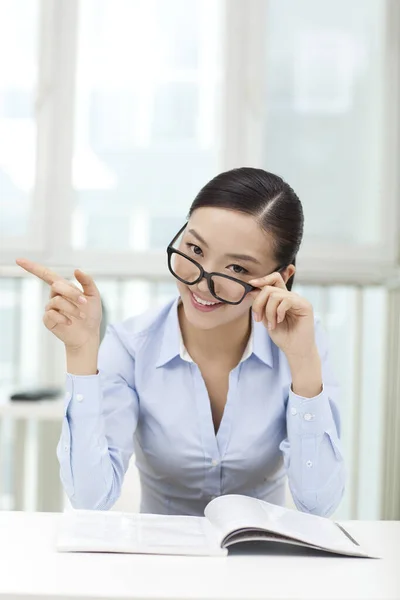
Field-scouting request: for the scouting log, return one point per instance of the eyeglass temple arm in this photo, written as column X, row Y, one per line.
column 177, row 235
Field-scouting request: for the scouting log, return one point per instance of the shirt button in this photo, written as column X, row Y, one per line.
column 79, row 397
column 68, row 396
column 293, row 411
column 214, row 463
column 309, row 464
column 66, row 448
column 308, row 417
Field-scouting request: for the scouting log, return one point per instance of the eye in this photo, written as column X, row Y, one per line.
column 238, row 270
column 195, row 249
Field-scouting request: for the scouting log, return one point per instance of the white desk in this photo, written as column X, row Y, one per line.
column 31, row 569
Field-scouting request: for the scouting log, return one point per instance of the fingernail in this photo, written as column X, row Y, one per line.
column 82, row 299
column 82, row 315
column 255, row 315
column 269, row 326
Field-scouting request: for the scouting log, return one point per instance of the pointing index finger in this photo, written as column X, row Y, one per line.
column 40, row 271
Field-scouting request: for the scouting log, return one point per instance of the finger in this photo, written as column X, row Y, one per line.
column 69, row 291
column 262, row 299
column 38, row 270
column 52, row 318
column 274, row 279
column 65, row 307
column 54, row 293
column 89, row 286
column 282, row 309
column 270, row 310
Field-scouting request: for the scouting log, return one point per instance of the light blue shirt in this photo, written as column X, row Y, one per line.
column 150, row 399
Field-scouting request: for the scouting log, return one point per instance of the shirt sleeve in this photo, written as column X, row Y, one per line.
column 101, row 414
column 312, row 449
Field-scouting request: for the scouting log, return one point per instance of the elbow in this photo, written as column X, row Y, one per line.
column 332, row 499
column 86, row 502
column 324, row 501
column 96, row 489
column 87, row 495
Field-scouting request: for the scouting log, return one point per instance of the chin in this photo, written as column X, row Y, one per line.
column 198, row 319
column 202, row 324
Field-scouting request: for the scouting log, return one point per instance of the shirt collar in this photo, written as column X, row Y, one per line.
column 259, row 344
column 184, row 354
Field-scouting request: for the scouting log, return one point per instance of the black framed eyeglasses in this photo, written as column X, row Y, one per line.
column 224, row 288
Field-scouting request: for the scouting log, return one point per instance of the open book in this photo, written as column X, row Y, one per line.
column 228, row 520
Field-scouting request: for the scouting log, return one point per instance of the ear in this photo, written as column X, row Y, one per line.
column 288, row 273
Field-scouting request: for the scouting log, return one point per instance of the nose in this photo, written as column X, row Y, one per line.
column 202, row 286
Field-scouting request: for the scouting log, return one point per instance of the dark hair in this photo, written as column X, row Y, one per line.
column 265, row 196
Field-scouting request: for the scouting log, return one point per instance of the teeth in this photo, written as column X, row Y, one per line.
column 204, row 302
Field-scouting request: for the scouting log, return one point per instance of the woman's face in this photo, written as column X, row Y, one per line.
column 228, row 242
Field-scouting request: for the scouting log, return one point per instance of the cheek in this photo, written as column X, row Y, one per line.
column 244, row 306
column 233, row 312
column 182, row 288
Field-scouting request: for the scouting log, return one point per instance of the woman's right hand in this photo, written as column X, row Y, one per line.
column 74, row 317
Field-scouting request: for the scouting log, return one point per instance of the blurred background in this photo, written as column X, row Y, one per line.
column 114, row 113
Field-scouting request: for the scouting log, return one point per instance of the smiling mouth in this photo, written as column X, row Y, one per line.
column 204, row 305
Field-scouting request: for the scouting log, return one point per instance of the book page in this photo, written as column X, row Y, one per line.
column 233, row 513
column 100, row 531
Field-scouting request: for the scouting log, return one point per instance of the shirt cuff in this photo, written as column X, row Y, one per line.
column 83, row 395
column 309, row 415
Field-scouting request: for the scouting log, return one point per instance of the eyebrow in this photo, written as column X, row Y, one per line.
column 198, row 237
column 244, row 257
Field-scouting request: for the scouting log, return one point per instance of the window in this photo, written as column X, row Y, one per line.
column 148, row 80
column 324, row 113
column 18, row 80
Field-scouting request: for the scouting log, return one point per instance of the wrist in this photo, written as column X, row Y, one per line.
column 89, row 345
column 306, row 372
column 82, row 360
column 301, row 359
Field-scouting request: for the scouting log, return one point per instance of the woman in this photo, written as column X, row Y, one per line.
column 227, row 389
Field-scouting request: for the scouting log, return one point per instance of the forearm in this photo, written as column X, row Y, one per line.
column 101, row 415
column 87, row 469
column 316, row 473
column 312, row 453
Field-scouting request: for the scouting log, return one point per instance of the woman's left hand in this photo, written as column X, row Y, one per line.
column 288, row 317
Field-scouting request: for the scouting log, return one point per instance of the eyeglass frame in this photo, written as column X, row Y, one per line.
column 206, row 275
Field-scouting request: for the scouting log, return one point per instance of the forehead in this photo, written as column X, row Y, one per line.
column 228, row 231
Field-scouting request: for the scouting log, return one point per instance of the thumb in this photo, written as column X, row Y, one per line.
column 88, row 284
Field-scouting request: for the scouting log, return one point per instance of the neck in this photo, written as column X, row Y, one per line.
column 225, row 343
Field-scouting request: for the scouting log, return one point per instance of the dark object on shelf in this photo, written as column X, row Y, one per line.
column 45, row 393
